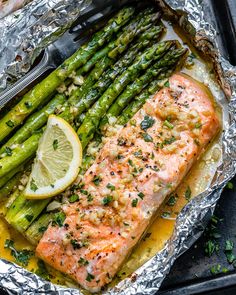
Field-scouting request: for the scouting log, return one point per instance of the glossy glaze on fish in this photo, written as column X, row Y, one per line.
column 132, row 175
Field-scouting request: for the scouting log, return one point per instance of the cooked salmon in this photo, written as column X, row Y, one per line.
column 133, row 173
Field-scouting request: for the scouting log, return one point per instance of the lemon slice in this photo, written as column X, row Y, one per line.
column 57, row 162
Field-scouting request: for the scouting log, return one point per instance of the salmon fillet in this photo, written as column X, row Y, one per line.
column 132, row 175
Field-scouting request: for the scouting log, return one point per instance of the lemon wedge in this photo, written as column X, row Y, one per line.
column 57, row 162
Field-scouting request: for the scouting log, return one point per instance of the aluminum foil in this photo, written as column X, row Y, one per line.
column 194, row 216
column 24, row 33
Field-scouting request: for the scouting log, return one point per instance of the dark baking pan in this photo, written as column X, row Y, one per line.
column 188, row 275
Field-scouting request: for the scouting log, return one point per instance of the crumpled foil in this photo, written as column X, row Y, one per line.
column 24, row 33
column 194, row 216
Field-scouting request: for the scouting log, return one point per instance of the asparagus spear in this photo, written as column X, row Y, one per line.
column 91, row 121
column 7, row 189
column 88, row 94
column 37, row 228
column 34, row 122
column 23, row 212
column 42, row 90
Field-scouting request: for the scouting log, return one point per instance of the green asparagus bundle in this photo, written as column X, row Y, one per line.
column 137, row 86
column 91, row 121
column 10, row 186
column 42, row 90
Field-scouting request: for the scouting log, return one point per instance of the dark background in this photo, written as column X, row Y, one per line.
column 191, row 273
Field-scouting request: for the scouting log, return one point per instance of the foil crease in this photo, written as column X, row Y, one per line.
column 24, row 33
column 194, row 216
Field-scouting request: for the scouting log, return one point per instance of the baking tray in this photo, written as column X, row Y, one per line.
column 190, row 273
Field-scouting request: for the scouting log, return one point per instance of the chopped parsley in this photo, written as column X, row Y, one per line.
column 154, row 168
column 8, row 151
column 55, row 144
column 230, row 185
column 188, row 193
column 33, row 185
column 229, row 245
column 121, row 141
column 167, row 84
column 22, row 257
column 147, row 137
column 75, row 244
column 83, row 261
column 147, row 123
column 59, row 219
column 89, row 198
column 89, row 277
column 10, row 123
column 134, row 202
column 28, row 104
column 138, row 154
column 97, row 179
column 111, row 186
column 130, row 162
column 42, row 270
column 198, row 125
column 172, row 200
column 119, row 157
column 107, row 200
column 84, row 192
column 165, row 214
column 73, row 198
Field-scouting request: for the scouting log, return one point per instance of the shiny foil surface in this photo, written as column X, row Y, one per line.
column 194, row 216
column 24, row 33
